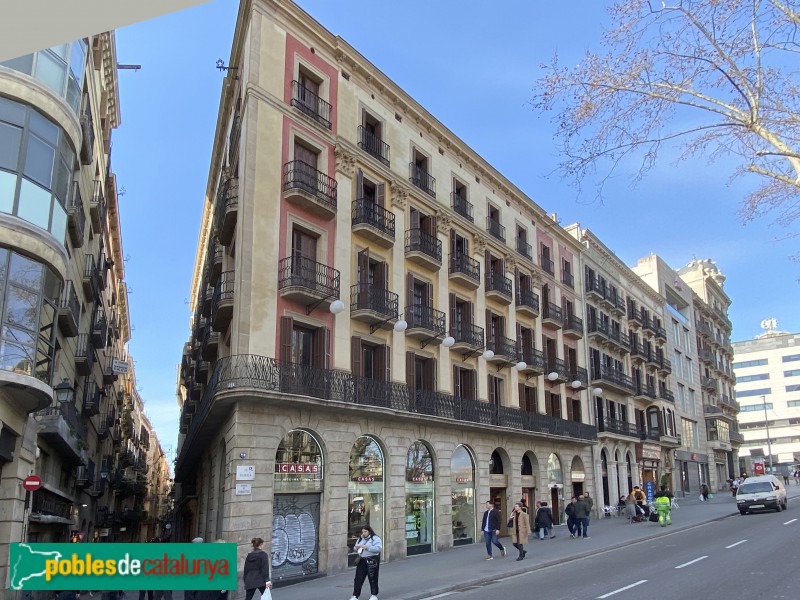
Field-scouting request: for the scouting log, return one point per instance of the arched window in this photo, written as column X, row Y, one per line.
column 365, row 491
column 462, row 490
column 420, row 511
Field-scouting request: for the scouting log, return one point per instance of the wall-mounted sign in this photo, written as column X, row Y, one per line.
column 245, row 472
column 119, row 367
column 305, row 468
column 365, row 479
column 463, row 479
column 244, row 489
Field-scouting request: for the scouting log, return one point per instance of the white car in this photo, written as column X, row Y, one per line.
column 762, row 492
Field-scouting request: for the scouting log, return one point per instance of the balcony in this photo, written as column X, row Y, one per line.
column 373, row 145
column 638, row 353
column 92, row 395
column 594, row 290
column 496, row 230
column 425, row 323
column 617, row 427
column 634, row 316
column 465, row 270
column 310, row 104
column 527, row 303
column 58, row 426
column 90, row 281
column 87, row 139
column 109, row 375
column 222, row 303
column 579, row 375
column 665, row 394
column 524, row 248
column 568, row 279
column 424, row 249
column 373, row 222
column 99, row 327
column 422, row 179
column 84, row 354
column 664, row 365
column 600, row 333
column 706, row 356
column 551, row 315
column 462, row 206
column 207, row 298
column 736, row 437
column 616, row 305
column 69, row 311
column 534, row 361
column 559, row 367
column 97, row 208
column 227, row 210
column 616, row 380
column 371, row 304
column 216, row 254
column 711, row 409
column 76, row 217
column 210, row 344
column 573, row 327
column 307, row 281
column 309, row 189
column 652, row 435
column 661, row 333
column 505, row 349
column 547, row 265
column 644, row 391
column 467, row 337
column 51, row 508
column 704, row 329
column 708, row 383
column 498, row 287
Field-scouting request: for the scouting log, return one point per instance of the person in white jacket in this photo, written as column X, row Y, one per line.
column 369, row 547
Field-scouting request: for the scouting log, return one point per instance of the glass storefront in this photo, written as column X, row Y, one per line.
column 419, row 524
column 60, row 68
column 296, row 508
column 462, row 490
column 36, row 164
column 28, row 299
column 365, row 491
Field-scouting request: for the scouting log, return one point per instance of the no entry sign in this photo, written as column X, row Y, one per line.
column 32, row 483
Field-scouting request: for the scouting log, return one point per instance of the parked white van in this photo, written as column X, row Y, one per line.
column 762, row 492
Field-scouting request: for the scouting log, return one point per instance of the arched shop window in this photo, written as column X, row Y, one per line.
column 365, row 491
column 419, row 526
column 462, row 491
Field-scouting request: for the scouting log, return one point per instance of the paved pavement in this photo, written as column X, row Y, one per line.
column 420, row 577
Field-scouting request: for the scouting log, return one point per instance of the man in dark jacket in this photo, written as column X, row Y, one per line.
column 570, row 512
column 545, row 518
column 582, row 516
column 491, row 529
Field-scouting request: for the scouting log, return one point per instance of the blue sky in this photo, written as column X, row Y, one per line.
column 472, row 70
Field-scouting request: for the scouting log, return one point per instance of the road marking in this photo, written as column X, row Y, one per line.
column 792, row 521
column 691, row 562
column 441, row 595
column 627, row 587
column 736, row 544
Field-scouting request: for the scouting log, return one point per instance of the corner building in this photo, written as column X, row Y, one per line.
column 385, row 329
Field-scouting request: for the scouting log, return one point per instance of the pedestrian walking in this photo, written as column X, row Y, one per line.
column 570, row 512
column 256, row 570
column 369, row 547
column 545, row 518
column 490, row 525
column 590, row 502
column 704, row 493
column 520, row 529
column 797, row 477
column 582, row 516
column 786, row 478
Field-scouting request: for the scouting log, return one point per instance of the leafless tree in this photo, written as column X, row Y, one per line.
column 717, row 76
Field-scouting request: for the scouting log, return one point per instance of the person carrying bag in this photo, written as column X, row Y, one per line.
column 257, row 572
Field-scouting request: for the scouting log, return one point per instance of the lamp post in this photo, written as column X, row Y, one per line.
column 766, row 423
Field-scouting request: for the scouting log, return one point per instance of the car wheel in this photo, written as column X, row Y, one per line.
column 778, row 507
column 743, row 512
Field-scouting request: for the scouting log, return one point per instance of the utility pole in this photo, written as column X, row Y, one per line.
column 766, row 422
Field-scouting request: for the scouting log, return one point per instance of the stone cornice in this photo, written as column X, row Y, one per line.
column 108, row 58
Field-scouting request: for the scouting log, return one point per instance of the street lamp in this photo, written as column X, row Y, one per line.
column 766, row 423
column 64, row 391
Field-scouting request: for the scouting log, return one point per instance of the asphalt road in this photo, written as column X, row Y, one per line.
column 740, row 557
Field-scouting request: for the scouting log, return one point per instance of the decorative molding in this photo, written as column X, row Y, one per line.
column 399, row 195
column 443, row 224
column 511, row 262
column 481, row 243
column 345, row 161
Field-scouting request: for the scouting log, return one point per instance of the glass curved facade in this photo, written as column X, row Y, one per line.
column 61, row 68
column 36, row 165
column 28, row 303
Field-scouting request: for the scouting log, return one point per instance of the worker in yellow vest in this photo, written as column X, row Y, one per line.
column 663, row 506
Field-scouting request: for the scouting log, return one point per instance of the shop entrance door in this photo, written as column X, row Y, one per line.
column 555, row 505
column 498, row 496
column 295, row 535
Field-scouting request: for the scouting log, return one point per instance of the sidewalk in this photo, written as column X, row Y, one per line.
column 420, row 577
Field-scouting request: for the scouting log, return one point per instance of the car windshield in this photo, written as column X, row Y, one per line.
column 753, row 488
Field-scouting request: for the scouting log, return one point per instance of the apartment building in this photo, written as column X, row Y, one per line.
column 65, row 376
column 385, row 330
column 630, row 373
column 767, row 370
column 715, row 355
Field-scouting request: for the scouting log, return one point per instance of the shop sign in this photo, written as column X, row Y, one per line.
column 419, row 479
column 312, row 469
column 365, row 479
column 648, row 452
column 119, row 367
column 245, row 472
column 463, row 479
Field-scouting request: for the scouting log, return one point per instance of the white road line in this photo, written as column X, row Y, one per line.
column 736, row 544
column 792, row 521
column 691, row 562
column 627, row 587
column 441, row 595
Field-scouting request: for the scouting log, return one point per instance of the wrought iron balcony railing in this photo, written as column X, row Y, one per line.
column 373, row 145
column 422, row 179
column 528, row 298
column 303, row 176
column 419, row 241
column 311, row 104
column 425, row 317
column 462, row 206
column 467, row 333
column 365, row 211
column 298, row 271
column 461, row 263
column 366, row 296
column 496, row 282
column 495, row 229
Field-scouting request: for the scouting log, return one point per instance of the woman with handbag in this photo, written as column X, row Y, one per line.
column 256, row 571
column 520, row 524
column 368, row 563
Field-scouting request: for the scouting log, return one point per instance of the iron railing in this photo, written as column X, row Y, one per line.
column 502, row 346
column 311, row 104
column 461, row 263
column 373, row 145
column 524, row 248
column 366, row 212
column 418, row 240
column 547, row 264
column 567, row 278
column 367, row 296
column 496, row 282
column 425, row 317
column 619, row 427
column 552, row 312
column 467, row 333
column 495, row 229
column 422, row 179
column 614, row 376
column 533, row 358
column 528, row 298
column 573, row 323
column 298, row 271
column 303, row 176
column 462, row 206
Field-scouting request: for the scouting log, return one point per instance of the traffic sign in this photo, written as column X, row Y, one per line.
column 32, row 483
